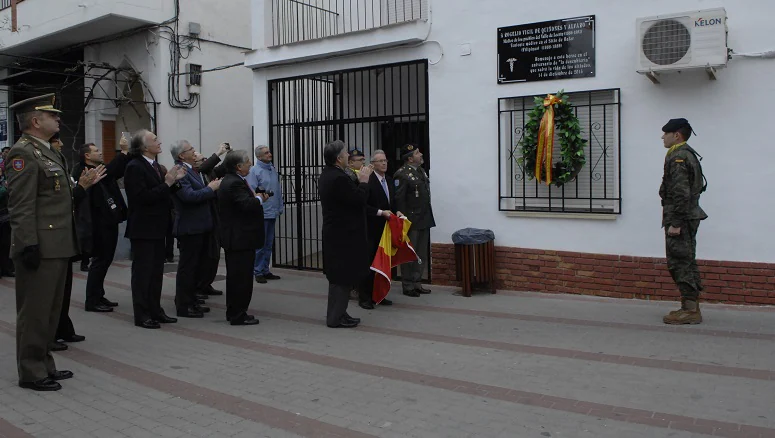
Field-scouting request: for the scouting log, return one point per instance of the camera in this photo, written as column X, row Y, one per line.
column 259, row 191
column 228, row 146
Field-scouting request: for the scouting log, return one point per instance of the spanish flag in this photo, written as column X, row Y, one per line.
column 394, row 249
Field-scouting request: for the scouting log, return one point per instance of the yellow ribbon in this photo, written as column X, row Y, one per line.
column 546, row 140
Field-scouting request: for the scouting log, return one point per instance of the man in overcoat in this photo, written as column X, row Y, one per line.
column 345, row 245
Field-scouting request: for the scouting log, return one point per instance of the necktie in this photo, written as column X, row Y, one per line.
column 385, row 188
column 158, row 169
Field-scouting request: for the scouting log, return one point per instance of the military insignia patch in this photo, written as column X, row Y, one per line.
column 396, row 182
column 679, row 161
column 18, row 164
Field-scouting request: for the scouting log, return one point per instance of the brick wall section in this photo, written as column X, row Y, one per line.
column 612, row 275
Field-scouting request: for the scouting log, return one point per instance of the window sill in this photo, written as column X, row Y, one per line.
column 535, row 214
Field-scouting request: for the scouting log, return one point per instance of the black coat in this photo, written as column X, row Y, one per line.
column 378, row 201
column 241, row 215
column 149, row 201
column 345, row 247
column 194, row 211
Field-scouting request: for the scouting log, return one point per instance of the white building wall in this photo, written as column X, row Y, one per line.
column 730, row 116
column 224, row 110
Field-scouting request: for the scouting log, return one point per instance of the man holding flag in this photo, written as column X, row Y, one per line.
column 379, row 207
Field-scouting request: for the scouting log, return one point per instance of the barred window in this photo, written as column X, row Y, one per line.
column 596, row 189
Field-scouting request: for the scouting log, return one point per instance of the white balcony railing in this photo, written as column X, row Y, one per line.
column 303, row 20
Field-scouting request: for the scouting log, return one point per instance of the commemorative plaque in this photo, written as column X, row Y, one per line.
column 560, row 49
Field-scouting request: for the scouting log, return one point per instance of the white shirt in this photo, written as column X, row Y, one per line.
column 150, row 161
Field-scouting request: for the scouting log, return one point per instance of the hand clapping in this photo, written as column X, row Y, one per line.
column 89, row 177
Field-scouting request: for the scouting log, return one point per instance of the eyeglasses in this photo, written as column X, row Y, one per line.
column 379, row 161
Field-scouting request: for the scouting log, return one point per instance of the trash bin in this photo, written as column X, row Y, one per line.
column 475, row 259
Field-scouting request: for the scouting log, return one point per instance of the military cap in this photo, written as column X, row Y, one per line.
column 356, row 153
column 407, row 150
column 673, row 125
column 40, row 103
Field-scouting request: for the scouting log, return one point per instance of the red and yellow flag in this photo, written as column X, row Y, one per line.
column 394, row 249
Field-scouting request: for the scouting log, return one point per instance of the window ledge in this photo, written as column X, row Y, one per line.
column 536, row 214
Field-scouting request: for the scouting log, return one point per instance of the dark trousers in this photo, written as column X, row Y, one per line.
column 239, row 282
column 169, row 245
column 681, row 254
column 411, row 273
column 6, row 265
column 193, row 268
column 38, row 305
column 105, row 241
column 65, row 327
column 147, row 278
column 338, row 299
column 213, row 259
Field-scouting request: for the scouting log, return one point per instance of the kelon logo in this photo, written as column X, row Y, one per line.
column 705, row 22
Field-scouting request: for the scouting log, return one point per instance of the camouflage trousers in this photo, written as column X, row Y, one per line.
column 682, row 260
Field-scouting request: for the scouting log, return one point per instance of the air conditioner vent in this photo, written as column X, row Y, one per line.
column 666, row 42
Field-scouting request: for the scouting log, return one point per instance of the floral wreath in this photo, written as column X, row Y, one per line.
column 549, row 114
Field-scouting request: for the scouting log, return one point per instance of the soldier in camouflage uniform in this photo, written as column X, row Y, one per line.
column 682, row 184
column 413, row 199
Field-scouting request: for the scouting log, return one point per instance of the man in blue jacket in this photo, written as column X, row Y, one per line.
column 194, row 228
column 264, row 177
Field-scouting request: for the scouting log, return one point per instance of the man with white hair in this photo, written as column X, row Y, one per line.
column 194, row 227
column 264, row 178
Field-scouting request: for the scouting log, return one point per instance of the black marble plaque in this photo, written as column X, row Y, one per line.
column 559, row 49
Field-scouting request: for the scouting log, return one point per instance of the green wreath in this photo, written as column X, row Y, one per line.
column 568, row 131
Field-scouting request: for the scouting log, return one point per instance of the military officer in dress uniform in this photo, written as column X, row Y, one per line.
column 682, row 184
column 43, row 239
column 413, row 198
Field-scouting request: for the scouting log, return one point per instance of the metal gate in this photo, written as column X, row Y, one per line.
column 378, row 107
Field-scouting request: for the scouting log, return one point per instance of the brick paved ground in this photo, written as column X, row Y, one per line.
column 506, row 365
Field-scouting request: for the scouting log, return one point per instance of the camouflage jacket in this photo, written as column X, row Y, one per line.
column 413, row 196
column 682, row 184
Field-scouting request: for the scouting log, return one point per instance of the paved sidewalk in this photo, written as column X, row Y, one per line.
column 506, row 365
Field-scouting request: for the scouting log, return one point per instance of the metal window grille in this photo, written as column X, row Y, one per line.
column 5, row 4
column 194, row 76
column 303, row 20
column 596, row 189
column 379, row 107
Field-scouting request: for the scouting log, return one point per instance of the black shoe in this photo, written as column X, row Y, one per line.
column 271, row 276
column 412, row 293
column 260, row 279
column 148, row 324
column 57, row 346
column 344, row 323
column 164, row 319
column 199, row 302
column 244, row 321
column 74, row 338
column 203, row 309
column 99, row 308
column 46, row 384
column 423, row 290
column 9, row 274
column 385, row 302
column 190, row 312
column 212, row 291
column 84, row 267
column 106, row 302
column 61, row 375
column 368, row 305
column 249, row 316
column 202, row 297
column 350, row 318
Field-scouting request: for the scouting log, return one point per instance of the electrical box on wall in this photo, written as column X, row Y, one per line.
column 194, row 74
column 685, row 41
column 194, row 28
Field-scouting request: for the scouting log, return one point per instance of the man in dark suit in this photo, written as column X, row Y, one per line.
column 379, row 206
column 106, row 209
column 241, row 230
column 148, row 191
column 194, row 228
column 345, row 245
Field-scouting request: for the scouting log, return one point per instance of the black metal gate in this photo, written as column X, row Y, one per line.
column 379, row 107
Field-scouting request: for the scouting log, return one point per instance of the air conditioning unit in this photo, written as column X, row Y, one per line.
column 686, row 41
